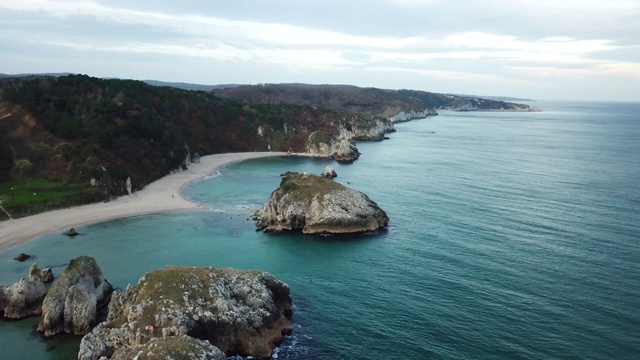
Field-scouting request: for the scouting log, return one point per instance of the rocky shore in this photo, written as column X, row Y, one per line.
column 172, row 313
column 238, row 312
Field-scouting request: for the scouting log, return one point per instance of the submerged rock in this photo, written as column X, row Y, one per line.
column 24, row 298
column 318, row 205
column 240, row 312
column 71, row 232
column 71, row 304
column 22, row 257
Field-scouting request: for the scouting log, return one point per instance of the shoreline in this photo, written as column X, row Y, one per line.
column 162, row 195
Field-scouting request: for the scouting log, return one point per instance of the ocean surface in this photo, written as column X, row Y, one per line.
column 512, row 236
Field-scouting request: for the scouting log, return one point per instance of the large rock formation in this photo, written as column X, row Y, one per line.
column 341, row 147
column 24, row 298
column 318, row 205
column 72, row 303
column 240, row 312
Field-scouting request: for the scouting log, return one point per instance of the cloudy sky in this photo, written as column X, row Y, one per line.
column 541, row 49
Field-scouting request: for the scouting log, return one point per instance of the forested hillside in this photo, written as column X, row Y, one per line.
column 68, row 130
column 379, row 102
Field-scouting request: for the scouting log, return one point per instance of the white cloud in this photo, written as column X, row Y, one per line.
column 605, row 69
column 316, row 59
column 595, row 5
column 480, row 42
column 442, row 74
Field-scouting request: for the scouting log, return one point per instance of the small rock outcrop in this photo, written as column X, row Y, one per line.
column 22, row 257
column 24, row 298
column 318, row 205
column 239, row 312
column 71, row 232
column 329, row 172
column 46, row 275
column 71, row 304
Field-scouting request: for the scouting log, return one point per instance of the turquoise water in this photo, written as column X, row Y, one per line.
column 512, row 235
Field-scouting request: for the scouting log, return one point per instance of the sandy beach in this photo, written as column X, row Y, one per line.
column 162, row 195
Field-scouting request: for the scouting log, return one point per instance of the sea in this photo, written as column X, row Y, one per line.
column 511, row 236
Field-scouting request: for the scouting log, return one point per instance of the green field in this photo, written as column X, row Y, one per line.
column 22, row 197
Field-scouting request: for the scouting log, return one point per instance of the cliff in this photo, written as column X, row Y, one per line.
column 412, row 115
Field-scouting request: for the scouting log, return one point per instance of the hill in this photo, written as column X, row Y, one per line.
column 379, row 102
column 67, row 132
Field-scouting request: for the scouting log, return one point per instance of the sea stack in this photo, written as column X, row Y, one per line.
column 319, row 205
column 71, row 304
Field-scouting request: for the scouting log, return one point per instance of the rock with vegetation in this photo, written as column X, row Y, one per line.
column 170, row 348
column 24, row 298
column 240, row 312
column 71, row 304
column 319, row 205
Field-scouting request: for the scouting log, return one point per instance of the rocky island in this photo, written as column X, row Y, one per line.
column 319, row 205
column 195, row 312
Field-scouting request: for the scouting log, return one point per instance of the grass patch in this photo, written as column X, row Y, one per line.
column 304, row 187
column 22, row 197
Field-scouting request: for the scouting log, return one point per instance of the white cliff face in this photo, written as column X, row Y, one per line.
column 375, row 131
column 340, row 147
column 412, row 115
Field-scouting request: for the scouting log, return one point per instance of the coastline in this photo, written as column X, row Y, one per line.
column 163, row 195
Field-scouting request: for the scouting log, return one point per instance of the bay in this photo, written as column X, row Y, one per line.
column 512, row 235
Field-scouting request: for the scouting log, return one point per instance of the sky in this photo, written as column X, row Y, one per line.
column 539, row 49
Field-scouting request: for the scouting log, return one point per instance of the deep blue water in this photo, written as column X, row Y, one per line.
column 512, row 235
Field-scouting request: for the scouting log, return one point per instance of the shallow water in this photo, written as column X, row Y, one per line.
column 512, row 235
